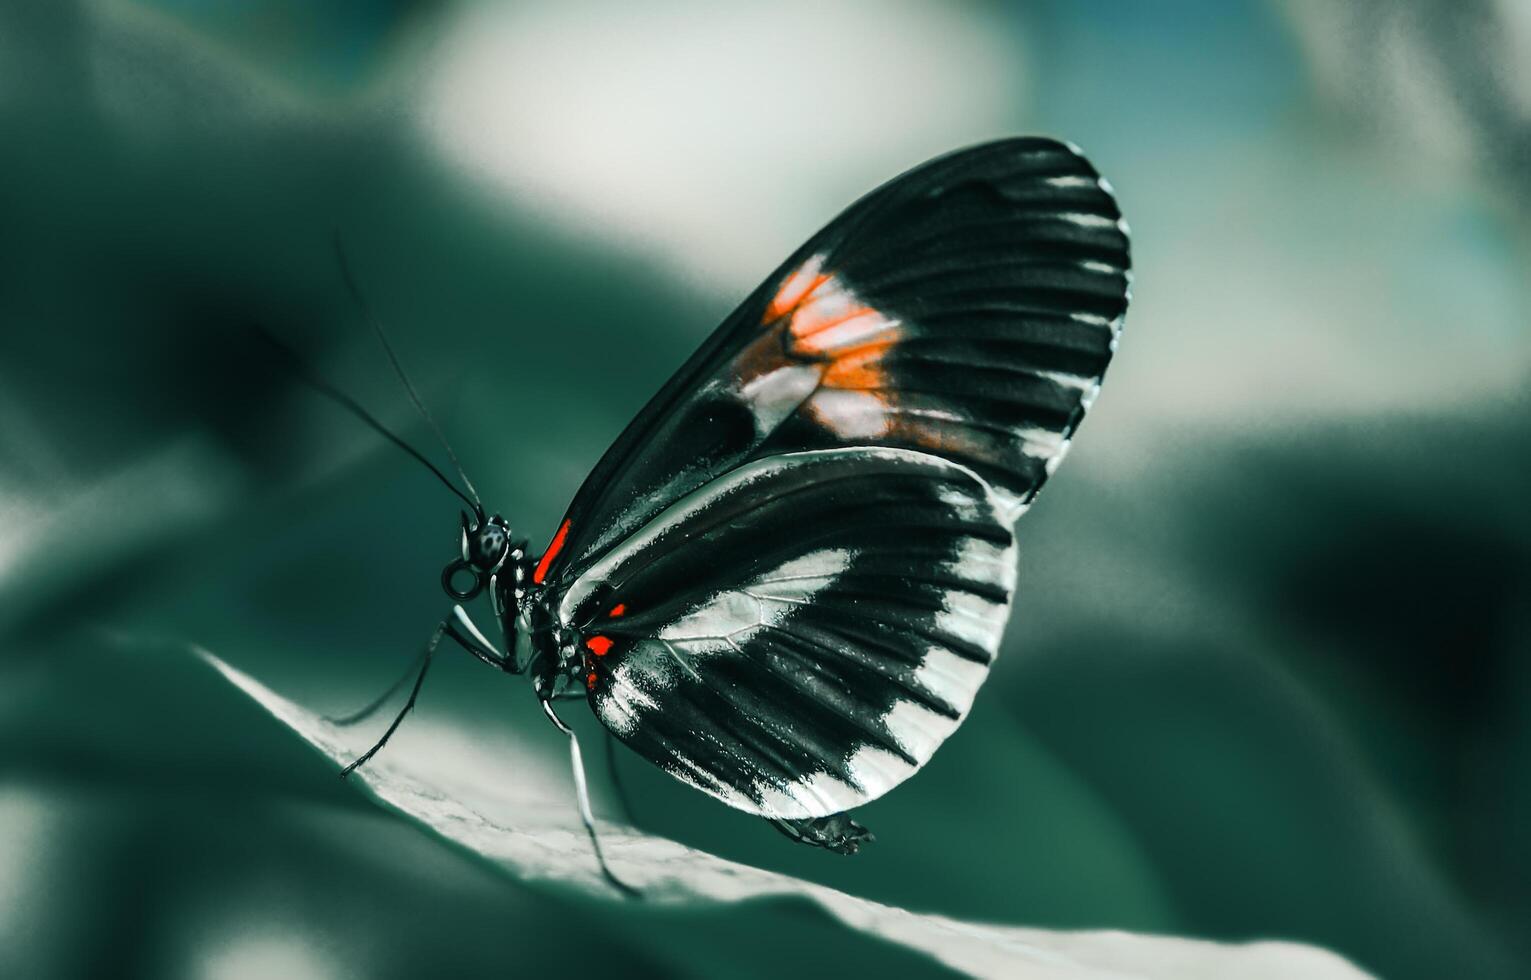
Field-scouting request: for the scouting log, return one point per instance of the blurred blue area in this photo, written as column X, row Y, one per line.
column 1161, row 75
column 1267, row 676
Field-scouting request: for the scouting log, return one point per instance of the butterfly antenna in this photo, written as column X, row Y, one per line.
column 398, row 368
column 295, row 364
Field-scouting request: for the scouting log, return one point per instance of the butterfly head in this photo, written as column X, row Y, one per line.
column 486, row 546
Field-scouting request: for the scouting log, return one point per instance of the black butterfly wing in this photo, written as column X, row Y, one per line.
column 966, row 309
column 798, row 636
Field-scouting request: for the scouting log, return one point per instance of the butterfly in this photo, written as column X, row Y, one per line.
column 787, row 579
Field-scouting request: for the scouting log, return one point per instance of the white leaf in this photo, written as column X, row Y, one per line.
column 533, row 841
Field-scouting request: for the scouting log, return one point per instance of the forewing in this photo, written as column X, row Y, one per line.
column 966, row 309
column 798, row 636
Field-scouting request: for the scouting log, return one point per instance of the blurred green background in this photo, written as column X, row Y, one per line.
column 1268, row 673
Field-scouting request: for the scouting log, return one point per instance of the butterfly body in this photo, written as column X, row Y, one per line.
column 787, row 579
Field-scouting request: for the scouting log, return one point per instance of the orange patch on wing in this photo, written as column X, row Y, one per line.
column 796, row 289
column 861, row 325
column 860, row 367
column 826, row 323
column 815, row 303
column 833, row 310
column 599, row 645
column 554, row 548
column 763, row 356
column 824, row 314
column 617, row 610
column 855, row 392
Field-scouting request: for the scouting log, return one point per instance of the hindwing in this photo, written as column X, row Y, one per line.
column 800, row 635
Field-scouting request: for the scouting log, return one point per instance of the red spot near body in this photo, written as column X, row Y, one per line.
column 599, row 645
column 547, row 556
column 617, row 610
column 590, row 681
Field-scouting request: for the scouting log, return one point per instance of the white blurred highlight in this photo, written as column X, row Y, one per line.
column 713, row 136
column 1513, row 42
column 27, row 825
column 289, row 956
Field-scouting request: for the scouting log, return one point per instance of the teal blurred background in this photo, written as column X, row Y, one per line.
column 1268, row 673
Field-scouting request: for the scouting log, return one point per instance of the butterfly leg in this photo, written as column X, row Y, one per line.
column 583, row 794
column 460, row 628
column 836, row 832
column 468, row 636
column 356, row 717
column 414, row 692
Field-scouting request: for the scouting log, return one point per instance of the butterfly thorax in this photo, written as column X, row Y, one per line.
column 542, row 648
